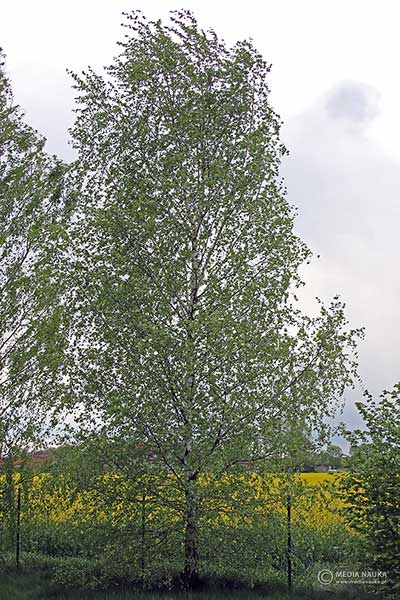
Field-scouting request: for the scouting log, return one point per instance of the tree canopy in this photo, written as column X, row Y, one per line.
column 30, row 192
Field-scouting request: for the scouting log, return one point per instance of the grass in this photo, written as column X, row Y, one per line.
column 27, row 585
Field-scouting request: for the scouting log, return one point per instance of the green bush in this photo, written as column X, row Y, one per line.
column 371, row 488
column 76, row 572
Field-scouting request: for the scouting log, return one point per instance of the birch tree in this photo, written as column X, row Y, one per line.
column 30, row 193
column 186, row 339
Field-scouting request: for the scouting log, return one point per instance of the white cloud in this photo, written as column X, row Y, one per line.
column 348, row 194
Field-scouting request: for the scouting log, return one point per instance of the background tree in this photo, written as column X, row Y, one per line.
column 332, row 456
column 372, row 486
column 182, row 263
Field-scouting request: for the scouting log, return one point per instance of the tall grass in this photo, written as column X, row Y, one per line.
column 16, row 585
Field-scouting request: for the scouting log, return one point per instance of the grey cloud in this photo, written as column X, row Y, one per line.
column 356, row 102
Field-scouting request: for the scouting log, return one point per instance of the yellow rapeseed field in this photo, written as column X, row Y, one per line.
column 235, row 500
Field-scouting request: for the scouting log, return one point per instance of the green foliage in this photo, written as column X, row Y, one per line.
column 372, row 486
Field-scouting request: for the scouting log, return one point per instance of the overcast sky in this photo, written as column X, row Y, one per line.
column 335, row 84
